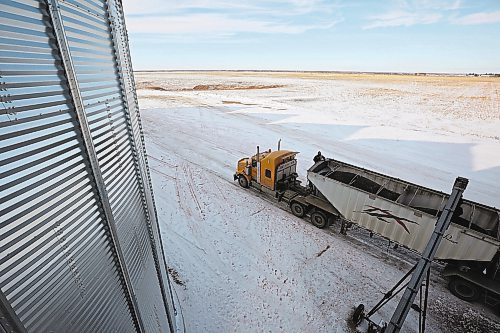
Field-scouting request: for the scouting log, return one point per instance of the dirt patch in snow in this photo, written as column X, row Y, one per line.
column 205, row 87
column 239, row 103
column 454, row 316
column 156, row 88
column 176, row 277
column 234, row 87
column 323, row 251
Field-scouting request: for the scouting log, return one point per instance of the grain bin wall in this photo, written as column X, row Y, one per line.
column 80, row 248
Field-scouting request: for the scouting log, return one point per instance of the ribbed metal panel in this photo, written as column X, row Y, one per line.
column 128, row 87
column 61, row 268
column 88, row 30
column 55, row 256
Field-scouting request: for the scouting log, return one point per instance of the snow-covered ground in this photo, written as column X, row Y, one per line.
column 244, row 265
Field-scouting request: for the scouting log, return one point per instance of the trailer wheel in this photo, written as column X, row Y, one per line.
column 242, row 180
column 298, row 209
column 464, row 289
column 319, row 219
column 357, row 316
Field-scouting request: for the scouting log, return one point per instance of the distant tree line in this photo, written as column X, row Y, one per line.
column 485, row 74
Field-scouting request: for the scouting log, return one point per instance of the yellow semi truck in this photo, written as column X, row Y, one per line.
column 274, row 172
column 400, row 211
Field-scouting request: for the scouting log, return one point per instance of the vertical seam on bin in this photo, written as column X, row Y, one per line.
column 141, row 169
column 60, row 36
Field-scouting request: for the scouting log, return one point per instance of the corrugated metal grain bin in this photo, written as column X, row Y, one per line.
column 80, row 248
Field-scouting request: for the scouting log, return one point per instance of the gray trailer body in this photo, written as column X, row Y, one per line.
column 80, row 247
column 406, row 213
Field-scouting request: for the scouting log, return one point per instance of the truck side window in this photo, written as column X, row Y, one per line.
column 268, row 173
column 254, row 163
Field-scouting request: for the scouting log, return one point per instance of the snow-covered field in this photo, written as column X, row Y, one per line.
column 244, row 265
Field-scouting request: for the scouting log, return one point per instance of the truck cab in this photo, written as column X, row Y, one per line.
column 267, row 169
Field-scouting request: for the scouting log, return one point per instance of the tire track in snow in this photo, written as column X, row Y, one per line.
column 163, row 174
column 186, row 185
column 162, row 161
column 189, row 182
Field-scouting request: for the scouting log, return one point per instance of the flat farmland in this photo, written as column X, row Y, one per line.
column 242, row 264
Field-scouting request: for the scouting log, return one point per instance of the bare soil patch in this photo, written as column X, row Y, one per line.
column 233, row 87
column 239, row 103
column 175, row 276
column 206, row 87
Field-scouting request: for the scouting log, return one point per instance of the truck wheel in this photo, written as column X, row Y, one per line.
column 319, row 220
column 242, row 180
column 464, row 289
column 298, row 209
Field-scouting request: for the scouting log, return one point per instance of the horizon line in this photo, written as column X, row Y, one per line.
column 491, row 74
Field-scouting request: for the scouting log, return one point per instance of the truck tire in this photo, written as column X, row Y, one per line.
column 298, row 209
column 242, row 180
column 319, row 219
column 464, row 289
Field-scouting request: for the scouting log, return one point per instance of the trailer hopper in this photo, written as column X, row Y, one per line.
column 406, row 213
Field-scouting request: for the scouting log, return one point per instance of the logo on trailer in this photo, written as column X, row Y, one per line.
column 386, row 216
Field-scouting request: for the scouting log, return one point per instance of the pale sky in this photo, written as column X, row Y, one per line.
column 457, row 36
